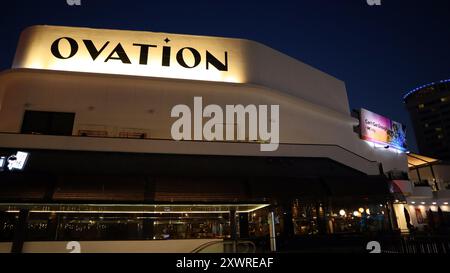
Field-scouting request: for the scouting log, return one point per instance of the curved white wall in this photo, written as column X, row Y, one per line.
column 145, row 103
column 314, row 107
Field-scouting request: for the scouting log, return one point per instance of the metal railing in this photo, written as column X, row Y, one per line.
column 233, row 246
column 418, row 245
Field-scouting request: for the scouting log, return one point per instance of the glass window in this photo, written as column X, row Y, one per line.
column 48, row 123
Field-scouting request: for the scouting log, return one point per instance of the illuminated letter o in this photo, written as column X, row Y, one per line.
column 195, row 53
column 73, row 48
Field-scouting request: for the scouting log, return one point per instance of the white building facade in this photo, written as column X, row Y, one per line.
column 102, row 94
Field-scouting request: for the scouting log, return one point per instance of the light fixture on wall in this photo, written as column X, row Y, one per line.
column 2, row 163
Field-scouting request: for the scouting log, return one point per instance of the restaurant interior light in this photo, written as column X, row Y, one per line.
column 133, row 208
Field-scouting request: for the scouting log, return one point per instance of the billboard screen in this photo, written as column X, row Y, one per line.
column 381, row 130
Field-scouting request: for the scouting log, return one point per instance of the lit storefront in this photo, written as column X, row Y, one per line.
column 94, row 110
column 424, row 207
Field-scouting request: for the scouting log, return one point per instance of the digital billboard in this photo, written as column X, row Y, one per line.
column 381, row 130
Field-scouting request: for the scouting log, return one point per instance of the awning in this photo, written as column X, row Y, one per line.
column 415, row 160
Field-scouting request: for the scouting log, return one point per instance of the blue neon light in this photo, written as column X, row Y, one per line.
column 422, row 87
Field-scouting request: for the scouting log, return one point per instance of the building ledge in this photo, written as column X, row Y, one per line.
column 161, row 146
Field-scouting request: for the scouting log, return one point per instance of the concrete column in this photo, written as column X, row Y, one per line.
column 288, row 227
column 233, row 225
column 273, row 236
column 148, row 229
column 52, row 226
column 20, row 232
column 233, row 230
column 243, row 226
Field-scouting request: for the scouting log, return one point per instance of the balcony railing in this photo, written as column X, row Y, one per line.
column 231, row 246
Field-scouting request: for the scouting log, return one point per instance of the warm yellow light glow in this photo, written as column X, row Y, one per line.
column 34, row 52
column 368, row 211
column 342, row 212
column 361, row 210
column 356, row 214
column 122, row 212
column 135, row 209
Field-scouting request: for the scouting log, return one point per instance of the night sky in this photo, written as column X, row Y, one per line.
column 381, row 52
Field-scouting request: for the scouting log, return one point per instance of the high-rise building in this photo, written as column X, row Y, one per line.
column 429, row 108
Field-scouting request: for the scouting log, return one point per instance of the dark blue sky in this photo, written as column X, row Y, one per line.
column 379, row 51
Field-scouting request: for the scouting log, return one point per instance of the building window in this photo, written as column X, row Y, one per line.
column 48, row 123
